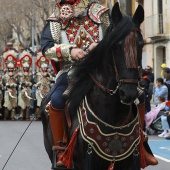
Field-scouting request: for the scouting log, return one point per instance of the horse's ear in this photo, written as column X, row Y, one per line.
column 116, row 14
column 138, row 17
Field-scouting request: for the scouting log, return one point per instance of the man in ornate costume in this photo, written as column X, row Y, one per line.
column 75, row 25
column 42, row 79
column 25, row 84
column 1, row 94
column 10, row 83
column 74, row 29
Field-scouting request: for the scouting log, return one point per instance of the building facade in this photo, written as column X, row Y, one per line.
column 156, row 31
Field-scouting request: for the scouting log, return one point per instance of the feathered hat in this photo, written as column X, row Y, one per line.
column 25, row 59
column 10, row 59
column 42, row 62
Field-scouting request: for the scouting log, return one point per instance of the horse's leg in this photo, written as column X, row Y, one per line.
column 48, row 139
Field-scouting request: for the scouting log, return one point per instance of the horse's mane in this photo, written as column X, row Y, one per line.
column 81, row 83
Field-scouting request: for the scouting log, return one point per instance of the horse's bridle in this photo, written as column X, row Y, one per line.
column 112, row 92
column 118, row 79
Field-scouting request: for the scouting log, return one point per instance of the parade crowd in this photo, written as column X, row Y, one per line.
column 160, row 94
column 21, row 88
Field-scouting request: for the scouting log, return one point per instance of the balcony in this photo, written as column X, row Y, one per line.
column 157, row 26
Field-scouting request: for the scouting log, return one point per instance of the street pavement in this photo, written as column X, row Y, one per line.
column 31, row 155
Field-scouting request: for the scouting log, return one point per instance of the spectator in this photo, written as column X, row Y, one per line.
column 149, row 78
column 162, row 66
column 150, row 116
column 165, row 126
column 160, row 90
column 148, row 69
column 168, row 135
column 166, row 76
column 165, row 73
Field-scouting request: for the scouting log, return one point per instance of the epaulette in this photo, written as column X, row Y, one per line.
column 95, row 11
column 52, row 18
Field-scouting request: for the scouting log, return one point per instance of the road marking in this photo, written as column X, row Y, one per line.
column 161, row 149
column 162, row 158
column 165, row 148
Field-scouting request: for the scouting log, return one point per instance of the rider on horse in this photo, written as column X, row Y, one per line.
column 74, row 29
column 70, row 29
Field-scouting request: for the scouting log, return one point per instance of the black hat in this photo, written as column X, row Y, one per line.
column 166, row 69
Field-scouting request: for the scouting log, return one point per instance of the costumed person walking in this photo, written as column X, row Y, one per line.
column 10, row 83
column 1, row 94
column 25, row 84
column 42, row 81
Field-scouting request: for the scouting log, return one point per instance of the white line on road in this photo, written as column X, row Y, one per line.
column 162, row 158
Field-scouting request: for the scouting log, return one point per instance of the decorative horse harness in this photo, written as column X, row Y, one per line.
column 109, row 142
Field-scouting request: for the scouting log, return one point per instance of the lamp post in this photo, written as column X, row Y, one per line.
column 32, row 36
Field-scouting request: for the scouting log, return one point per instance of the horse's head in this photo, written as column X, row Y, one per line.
column 126, row 50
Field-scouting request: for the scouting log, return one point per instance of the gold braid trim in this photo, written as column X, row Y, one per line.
column 55, row 28
column 105, row 21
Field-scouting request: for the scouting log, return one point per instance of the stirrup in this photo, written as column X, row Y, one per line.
column 54, row 161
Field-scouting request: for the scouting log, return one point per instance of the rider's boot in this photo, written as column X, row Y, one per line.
column 13, row 114
column 58, row 126
column 27, row 114
column 6, row 112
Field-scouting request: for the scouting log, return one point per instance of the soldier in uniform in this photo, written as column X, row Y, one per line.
column 10, row 83
column 1, row 94
column 43, row 81
column 74, row 26
column 25, row 84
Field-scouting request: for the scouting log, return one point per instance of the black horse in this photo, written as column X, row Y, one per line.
column 108, row 77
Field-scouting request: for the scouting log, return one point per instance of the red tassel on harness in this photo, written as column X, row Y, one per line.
column 67, row 156
column 111, row 167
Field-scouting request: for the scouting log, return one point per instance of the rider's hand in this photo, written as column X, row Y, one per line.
column 92, row 46
column 77, row 53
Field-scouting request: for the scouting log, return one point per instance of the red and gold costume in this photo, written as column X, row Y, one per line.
column 10, row 82
column 43, row 80
column 25, row 84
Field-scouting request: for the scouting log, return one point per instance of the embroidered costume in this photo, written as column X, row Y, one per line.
column 74, row 24
column 43, row 80
column 25, row 84
column 10, row 83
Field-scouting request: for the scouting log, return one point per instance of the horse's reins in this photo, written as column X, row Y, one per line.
column 112, row 92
